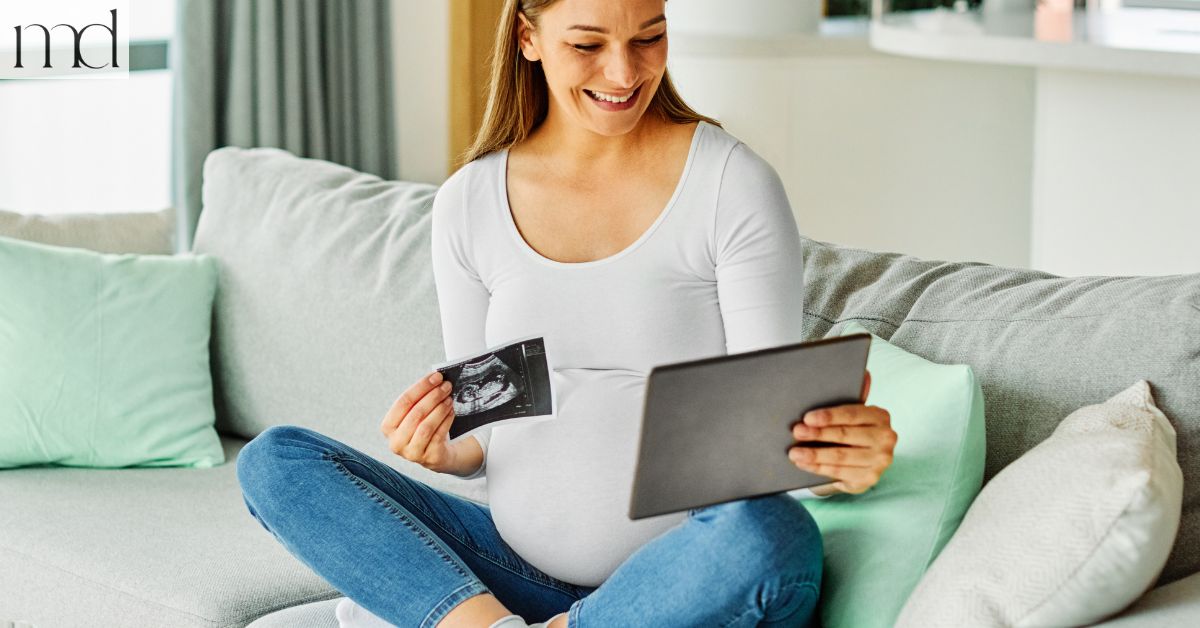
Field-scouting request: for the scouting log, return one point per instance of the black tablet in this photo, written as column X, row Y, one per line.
column 719, row 429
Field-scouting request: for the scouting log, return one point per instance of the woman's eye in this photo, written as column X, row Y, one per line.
column 643, row 42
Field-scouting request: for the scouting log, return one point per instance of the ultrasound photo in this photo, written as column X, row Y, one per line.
column 507, row 382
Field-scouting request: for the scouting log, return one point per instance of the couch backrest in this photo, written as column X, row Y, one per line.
column 146, row 233
column 1042, row 345
column 325, row 308
column 326, row 311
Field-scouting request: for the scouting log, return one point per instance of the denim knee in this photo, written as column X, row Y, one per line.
column 259, row 457
column 769, row 535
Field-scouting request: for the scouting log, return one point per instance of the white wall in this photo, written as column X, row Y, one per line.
column 421, row 45
column 1117, row 190
column 884, row 153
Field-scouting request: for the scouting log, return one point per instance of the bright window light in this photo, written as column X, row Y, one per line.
column 84, row 146
column 81, row 146
column 151, row 19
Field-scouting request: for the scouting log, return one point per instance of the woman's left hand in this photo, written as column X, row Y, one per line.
column 866, row 438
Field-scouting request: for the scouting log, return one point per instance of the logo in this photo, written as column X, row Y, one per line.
column 64, row 39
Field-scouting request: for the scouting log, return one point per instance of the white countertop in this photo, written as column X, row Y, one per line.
column 837, row 36
column 1164, row 42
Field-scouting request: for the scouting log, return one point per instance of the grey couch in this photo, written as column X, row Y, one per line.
column 326, row 310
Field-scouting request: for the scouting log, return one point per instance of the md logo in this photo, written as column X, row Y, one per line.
column 64, row 39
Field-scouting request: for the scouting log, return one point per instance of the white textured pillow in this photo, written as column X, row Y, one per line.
column 1069, row 533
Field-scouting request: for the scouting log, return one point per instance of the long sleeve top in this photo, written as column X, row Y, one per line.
column 719, row 271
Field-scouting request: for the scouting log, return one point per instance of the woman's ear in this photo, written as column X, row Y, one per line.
column 525, row 32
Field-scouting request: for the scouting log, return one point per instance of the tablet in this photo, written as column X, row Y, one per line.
column 719, row 429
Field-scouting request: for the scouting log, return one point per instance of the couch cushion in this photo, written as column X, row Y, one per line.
column 134, row 232
column 1068, row 534
column 1041, row 345
column 325, row 309
column 141, row 547
column 311, row 615
column 1177, row 604
column 104, row 358
column 878, row 544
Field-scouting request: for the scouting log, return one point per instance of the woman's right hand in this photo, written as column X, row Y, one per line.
column 418, row 423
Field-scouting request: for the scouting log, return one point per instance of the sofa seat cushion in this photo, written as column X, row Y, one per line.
column 141, row 547
column 320, row 614
column 1175, row 604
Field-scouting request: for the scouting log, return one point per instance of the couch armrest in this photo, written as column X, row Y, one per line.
column 1175, row 604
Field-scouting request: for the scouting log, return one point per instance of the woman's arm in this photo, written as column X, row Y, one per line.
column 758, row 257
column 759, row 262
column 462, row 302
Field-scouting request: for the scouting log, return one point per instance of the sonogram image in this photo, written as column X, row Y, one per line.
column 483, row 385
column 508, row 382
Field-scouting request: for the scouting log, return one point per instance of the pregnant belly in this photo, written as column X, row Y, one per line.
column 559, row 489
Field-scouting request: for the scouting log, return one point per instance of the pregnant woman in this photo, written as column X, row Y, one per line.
column 599, row 211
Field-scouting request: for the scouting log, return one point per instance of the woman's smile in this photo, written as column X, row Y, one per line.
column 612, row 102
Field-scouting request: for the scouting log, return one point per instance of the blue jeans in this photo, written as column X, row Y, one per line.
column 410, row 553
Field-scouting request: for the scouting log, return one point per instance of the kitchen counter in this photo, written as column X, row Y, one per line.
column 1162, row 42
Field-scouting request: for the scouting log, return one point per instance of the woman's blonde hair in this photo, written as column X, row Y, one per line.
column 518, row 96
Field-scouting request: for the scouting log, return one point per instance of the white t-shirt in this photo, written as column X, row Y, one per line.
column 719, row 271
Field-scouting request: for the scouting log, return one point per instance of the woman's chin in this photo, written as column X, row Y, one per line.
column 613, row 124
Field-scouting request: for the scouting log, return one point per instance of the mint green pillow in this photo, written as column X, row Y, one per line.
column 104, row 358
column 878, row 544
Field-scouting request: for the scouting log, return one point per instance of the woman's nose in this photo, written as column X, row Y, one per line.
column 621, row 69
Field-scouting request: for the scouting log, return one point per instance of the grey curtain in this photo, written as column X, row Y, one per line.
column 310, row 76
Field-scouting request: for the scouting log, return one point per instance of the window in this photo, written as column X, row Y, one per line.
column 93, row 145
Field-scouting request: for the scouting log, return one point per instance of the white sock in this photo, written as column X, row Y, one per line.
column 515, row 621
column 351, row 615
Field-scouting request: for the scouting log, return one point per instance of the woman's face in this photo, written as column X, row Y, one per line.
column 594, row 52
